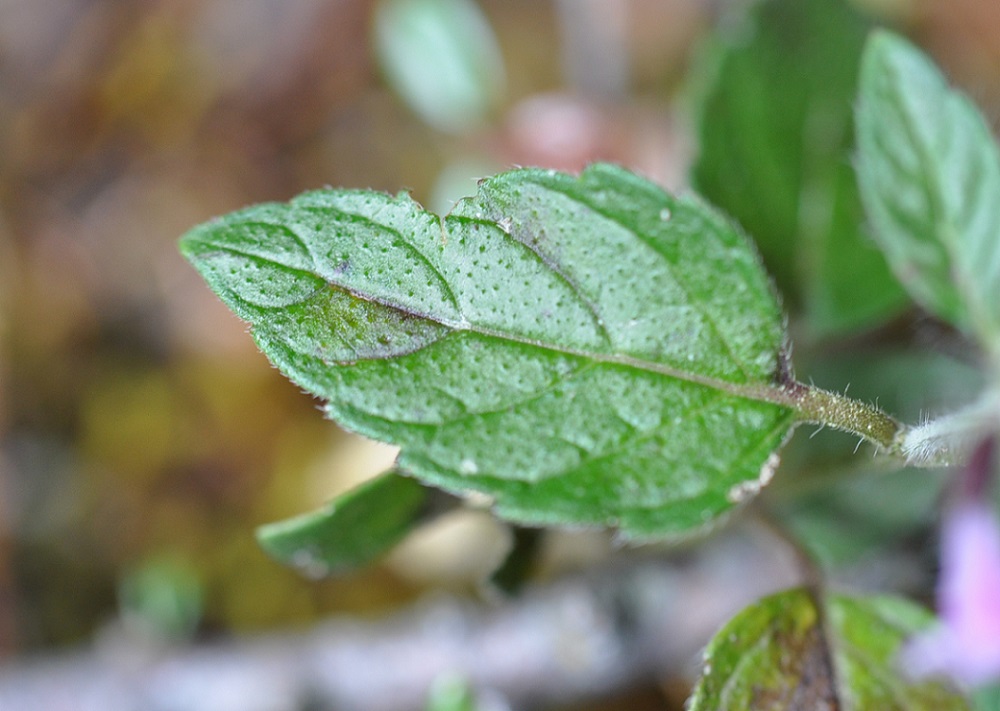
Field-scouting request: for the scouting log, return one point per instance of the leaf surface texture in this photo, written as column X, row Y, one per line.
column 584, row 351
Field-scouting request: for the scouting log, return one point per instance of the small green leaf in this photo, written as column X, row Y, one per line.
column 789, row 652
column 930, row 174
column 165, row 593
column 442, row 58
column 450, row 693
column 352, row 530
column 775, row 133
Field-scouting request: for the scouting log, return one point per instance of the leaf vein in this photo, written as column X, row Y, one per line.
column 405, row 243
column 553, row 266
column 670, row 268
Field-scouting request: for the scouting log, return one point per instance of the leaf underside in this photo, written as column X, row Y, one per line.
column 791, row 652
column 585, row 351
column 930, row 170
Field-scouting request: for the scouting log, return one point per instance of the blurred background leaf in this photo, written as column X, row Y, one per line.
column 450, row 694
column 775, row 141
column 442, row 58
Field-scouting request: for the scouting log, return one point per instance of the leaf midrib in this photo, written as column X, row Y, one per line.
column 762, row 392
column 759, row 391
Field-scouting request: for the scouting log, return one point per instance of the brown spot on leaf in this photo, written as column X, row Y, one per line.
column 806, row 658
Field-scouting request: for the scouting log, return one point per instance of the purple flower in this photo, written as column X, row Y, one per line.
column 966, row 645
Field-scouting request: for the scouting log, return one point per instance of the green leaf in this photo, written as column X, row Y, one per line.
column 790, row 652
column 442, row 58
column 930, row 174
column 987, row 698
column 865, row 635
column 352, row 530
column 775, row 133
column 166, row 594
column 585, row 351
column 450, row 693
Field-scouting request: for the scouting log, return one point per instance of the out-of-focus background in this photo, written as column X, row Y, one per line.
column 142, row 436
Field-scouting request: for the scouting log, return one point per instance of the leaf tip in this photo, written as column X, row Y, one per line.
column 190, row 244
column 279, row 541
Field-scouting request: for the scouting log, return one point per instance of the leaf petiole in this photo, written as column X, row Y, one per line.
column 818, row 406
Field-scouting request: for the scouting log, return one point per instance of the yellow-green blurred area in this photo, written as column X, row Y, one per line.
column 142, row 436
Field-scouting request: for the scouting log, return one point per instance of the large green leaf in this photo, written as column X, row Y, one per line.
column 585, row 351
column 352, row 530
column 792, row 652
column 931, row 177
column 775, row 135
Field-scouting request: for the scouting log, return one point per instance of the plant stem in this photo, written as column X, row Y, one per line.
column 808, row 567
column 949, row 439
column 942, row 442
column 827, row 408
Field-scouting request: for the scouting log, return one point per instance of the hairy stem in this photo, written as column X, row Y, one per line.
column 827, row 408
column 950, row 439
column 942, row 442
